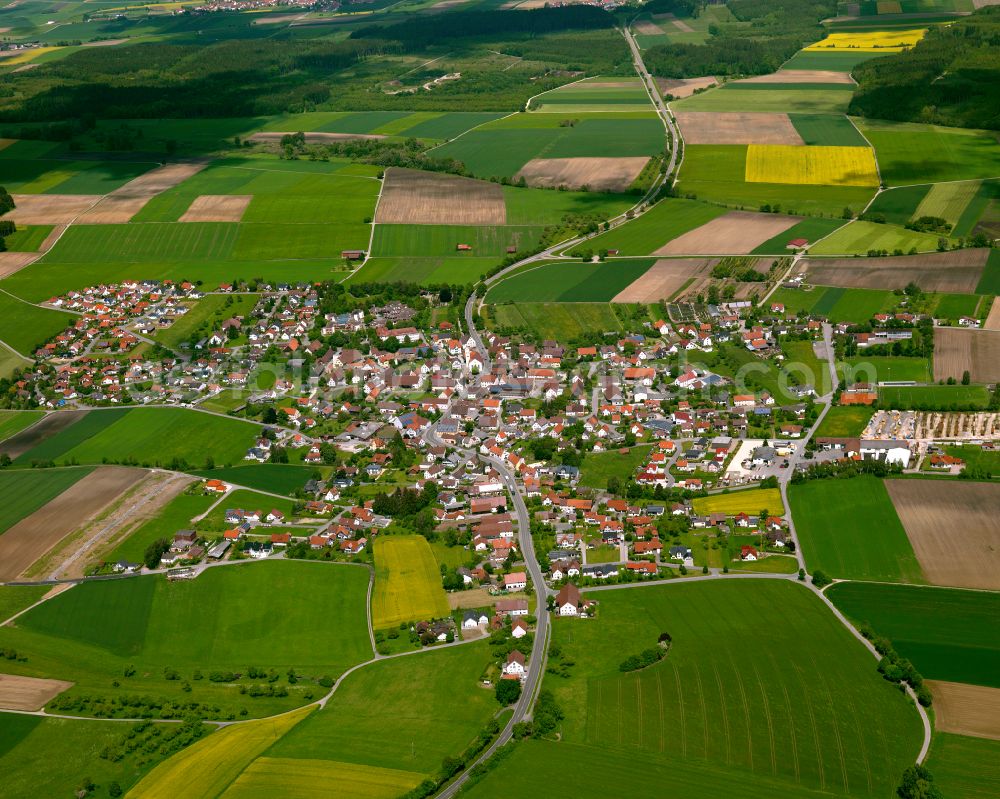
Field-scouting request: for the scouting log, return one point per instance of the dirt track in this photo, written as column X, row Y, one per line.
column 48, row 426
column 28, row 693
column 959, row 349
column 663, row 279
column 966, row 709
column 597, row 174
column 955, row 272
column 954, row 528
column 431, row 198
column 735, row 233
column 217, row 208
column 707, row 127
column 31, row 538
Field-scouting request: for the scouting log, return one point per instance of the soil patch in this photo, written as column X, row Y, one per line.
column 735, row 233
column 315, row 137
column 597, row 174
column 957, row 349
column 955, row 272
column 11, row 262
column 966, row 709
column 50, row 209
column 31, row 538
column 217, row 208
column 410, row 196
column 684, row 87
column 647, row 28
column 802, row 76
column 663, row 279
column 28, row 693
column 993, row 320
column 954, row 529
column 702, row 127
column 44, row 429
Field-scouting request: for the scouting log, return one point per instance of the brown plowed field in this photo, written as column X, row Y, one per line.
column 802, row 76
column 955, row 272
column 957, row 349
column 735, row 233
column 954, row 528
column 647, row 28
column 217, row 208
column 663, row 279
column 709, row 127
column 993, row 320
column 11, row 262
column 597, row 174
column 316, row 137
column 126, row 201
column 966, row 709
column 412, row 197
column 684, row 87
column 50, row 209
column 28, row 693
column 45, row 428
column 31, row 538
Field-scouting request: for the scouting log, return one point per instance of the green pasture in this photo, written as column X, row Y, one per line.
column 562, row 281
column 844, row 421
column 899, row 205
column 548, row 207
column 215, row 308
column 15, row 598
column 27, row 239
column 949, row 634
column 965, row 767
column 859, row 237
column 833, row 130
column 649, row 231
column 454, row 269
column 598, row 467
column 51, row 176
column 989, row 282
column 885, row 369
column 849, row 528
column 841, row 61
column 26, row 327
column 24, row 492
column 557, row 321
column 13, row 422
column 443, row 240
column 778, row 98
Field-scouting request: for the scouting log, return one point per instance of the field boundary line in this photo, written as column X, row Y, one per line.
column 680, row 706
column 815, row 729
column 770, row 721
column 746, row 710
column 791, row 725
column 835, row 725
column 704, row 706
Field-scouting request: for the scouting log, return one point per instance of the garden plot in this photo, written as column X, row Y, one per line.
column 965, row 709
column 663, row 280
column 428, row 198
column 957, row 350
column 955, row 272
column 802, row 76
column 735, row 233
column 28, row 693
column 217, row 208
column 50, row 209
column 954, row 529
column 597, row 174
column 31, row 538
column 123, row 203
column 707, row 127
column 684, row 87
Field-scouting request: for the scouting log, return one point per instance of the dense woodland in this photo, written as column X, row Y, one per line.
column 952, row 77
column 777, row 29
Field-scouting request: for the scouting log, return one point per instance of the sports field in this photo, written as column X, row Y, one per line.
column 947, row 633
column 407, row 582
column 803, row 705
column 569, row 282
column 750, row 502
column 849, row 528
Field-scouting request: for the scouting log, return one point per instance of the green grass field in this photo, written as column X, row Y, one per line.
column 13, row 422
column 965, row 767
column 27, row 239
column 455, row 269
column 977, row 457
column 26, row 327
column 947, row 633
column 849, row 528
column 859, row 237
column 837, row 304
column 407, row 582
column 888, row 368
column 212, row 309
column 915, row 153
column 398, row 730
column 833, row 130
column 15, row 598
column 800, row 708
column 899, row 205
column 175, row 515
column 148, row 435
column 809, row 229
column 278, row 478
column 563, row 281
column 948, row 201
column 954, row 306
column 832, row 99
column 24, row 492
column 844, row 421
column 443, row 240
column 989, row 282
column 547, row 207
column 50, row 176
column 558, row 321
column 841, row 61
column 928, row 398
column 597, row 468
column 665, row 221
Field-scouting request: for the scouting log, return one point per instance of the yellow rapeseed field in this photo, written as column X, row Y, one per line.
column 282, row 776
column 407, row 582
column 817, row 166
column 206, row 768
column 24, row 56
column 871, row 41
column 751, row 502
